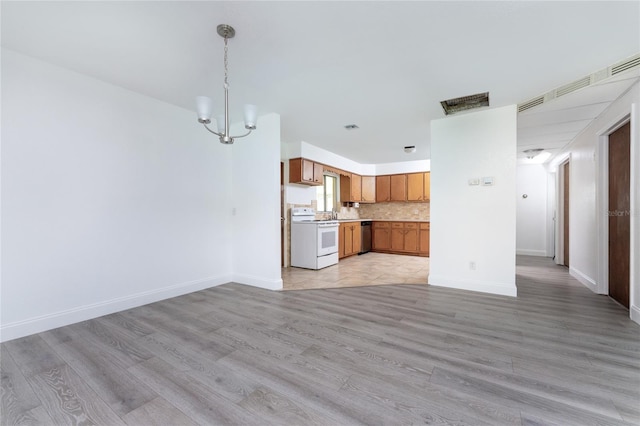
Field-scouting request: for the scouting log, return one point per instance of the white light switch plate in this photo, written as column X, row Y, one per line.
column 487, row 181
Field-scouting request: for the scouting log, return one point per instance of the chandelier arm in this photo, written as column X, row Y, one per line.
column 242, row 136
column 215, row 133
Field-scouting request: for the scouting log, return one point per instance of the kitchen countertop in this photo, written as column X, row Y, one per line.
column 385, row 220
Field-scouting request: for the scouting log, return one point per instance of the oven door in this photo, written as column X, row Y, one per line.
column 327, row 239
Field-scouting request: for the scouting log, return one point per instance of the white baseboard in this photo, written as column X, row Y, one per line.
column 525, row 252
column 274, row 284
column 635, row 314
column 584, row 279
column 46, row 322
column 502, row 289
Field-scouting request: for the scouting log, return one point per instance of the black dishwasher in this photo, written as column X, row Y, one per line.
column 365, row 247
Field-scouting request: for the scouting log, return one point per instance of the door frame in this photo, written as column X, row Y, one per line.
column 602, row 201
column 559, row 223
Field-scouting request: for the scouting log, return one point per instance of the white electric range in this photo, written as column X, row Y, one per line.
column 314, row 243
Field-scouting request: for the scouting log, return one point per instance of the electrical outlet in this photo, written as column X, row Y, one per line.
column 472, row 265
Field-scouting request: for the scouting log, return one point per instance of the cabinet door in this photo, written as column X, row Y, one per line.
column 348, row 239
column 411, row 237
column 318, row 173
column 307, row 170
column 356, row 188
column 368, row 189
column 427, row 186
column 345, row 188
column 381, row 236
column 383, row 188
column 357, row 237
column 423, row 236
column 398, row 188
column 341, row 245
column 397, row 236
column 415, row 187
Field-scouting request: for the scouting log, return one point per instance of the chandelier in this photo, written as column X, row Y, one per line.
column 205, row 104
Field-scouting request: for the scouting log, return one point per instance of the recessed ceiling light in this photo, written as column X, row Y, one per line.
column 351, row 126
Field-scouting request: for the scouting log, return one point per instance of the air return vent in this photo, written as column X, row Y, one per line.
column 530, row 104
column 572, row 87
column 451, row 106
column 598, row 76
column 626, row 65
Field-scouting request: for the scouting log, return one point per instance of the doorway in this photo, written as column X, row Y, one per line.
column 281, row 214
column 619, row 213
column 565, row 212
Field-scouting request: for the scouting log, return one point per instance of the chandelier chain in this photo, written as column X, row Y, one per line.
column 226, row 63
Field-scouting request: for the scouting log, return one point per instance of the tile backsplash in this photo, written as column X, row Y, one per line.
column 395, row 211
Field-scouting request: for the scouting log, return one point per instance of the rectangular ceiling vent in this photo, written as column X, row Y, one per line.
column 530, row 104
column 626, row 65
column 464, row 103
column 572, row 87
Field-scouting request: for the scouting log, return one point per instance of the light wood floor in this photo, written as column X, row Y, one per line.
column 356, row 271
column 383, row 355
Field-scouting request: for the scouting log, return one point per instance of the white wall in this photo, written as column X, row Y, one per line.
column 111, row 199
column 474, row 223
column 531, row 211
column 256, row 205
column 588, row 211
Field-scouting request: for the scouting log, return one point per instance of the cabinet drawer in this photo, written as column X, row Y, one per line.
column 425, row 226
column 385, row 225
column 397, row 225
column 411, row 226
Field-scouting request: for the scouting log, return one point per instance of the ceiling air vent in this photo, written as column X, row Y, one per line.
column 451, row 106
column 572, row 87
column 530, row 104
column 626, row 65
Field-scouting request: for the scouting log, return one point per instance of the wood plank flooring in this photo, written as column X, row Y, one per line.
column 382, row 355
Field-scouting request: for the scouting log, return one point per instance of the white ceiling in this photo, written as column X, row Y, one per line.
column 384, row 66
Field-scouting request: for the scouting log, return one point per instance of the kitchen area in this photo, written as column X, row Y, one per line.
column 359, row 230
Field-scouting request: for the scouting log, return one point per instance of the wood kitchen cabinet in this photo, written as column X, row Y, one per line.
column 418, row 186
column 350, row 188
column 391, row 188
column 398, row 188
column 383, row 189
column 305, row 172
column 368, row 189
column 404, row 237
column 349, row 239
column 423, row 239
column 401, row 237
column 381, row 236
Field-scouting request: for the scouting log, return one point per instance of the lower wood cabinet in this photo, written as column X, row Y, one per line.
column 423, row 239
column 401, row 237
column 381, row 236
column 349, row 239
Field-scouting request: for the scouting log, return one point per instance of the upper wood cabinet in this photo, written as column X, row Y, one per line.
column 356, row 188
column 418, row 186
column 398, row 188
column 383, row 189
column 305, row 172
column 350, row 188
column 368, row 189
